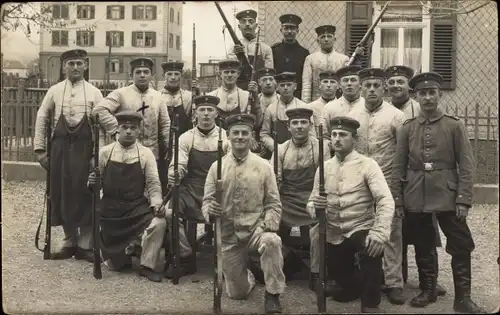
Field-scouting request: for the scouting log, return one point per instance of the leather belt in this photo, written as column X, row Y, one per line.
column 432, row 166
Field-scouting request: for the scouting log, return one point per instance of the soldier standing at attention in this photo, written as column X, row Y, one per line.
column 433, row 172
column 328, row 85
column 289, row 55
column 267, row 85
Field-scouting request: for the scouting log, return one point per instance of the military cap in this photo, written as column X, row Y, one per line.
column 371, row 73
column 328, row 75
column 348, row 70
column 240, row 119
column 325, row 29
column 128, row 116
column 266, row 72
column 290, row 19
column 344, row 123
column 172, row 66
column 73, row 54
column 396, row 71
column 299, row 112
column 142, row 62
column 285, row 77
column 206, row 100
column 246, row 14
column 229, row 64
column 426, row 80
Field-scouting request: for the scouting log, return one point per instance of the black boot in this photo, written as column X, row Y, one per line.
column 428, row 295
column 186, row 268
column 314, row 281
column 461, row 267
column 272, row 303
column 150, row 274
column 84, row 254
column 64, row 253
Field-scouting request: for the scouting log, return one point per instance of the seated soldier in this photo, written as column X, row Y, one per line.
column 197, row 152
column 297, row 162
column 356, row 234
column 129, row 177
column 250, row 212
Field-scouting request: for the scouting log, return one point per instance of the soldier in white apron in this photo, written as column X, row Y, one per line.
column 67, row 106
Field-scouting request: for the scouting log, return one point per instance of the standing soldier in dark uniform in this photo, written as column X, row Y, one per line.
column 289, row 55
column 67, row 106
column 248, row 24
column 433, row 172
column 397, row 84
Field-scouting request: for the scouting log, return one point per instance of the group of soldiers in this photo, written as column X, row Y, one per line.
column 392, row 171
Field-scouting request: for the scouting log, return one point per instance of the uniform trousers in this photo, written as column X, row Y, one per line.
column 81, row 237
column 354, row 270
column 393, row 255
column 239, row 281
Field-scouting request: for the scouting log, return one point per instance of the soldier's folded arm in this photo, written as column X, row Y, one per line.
column 153, row 185
column 466, row 165
column 307, row 80
column 106, row 110
column 164, row 124
column 42, row 116
column 209, row 191
column 399, row 165
column 265, row 132
column 184, row 149
column 383, row 200
column 272, row 202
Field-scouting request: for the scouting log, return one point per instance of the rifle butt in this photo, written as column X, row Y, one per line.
column 218, row 267
column 321, row 296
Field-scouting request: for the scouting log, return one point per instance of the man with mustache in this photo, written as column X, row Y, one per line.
column 250, row 213
column 247, row 23
column 67, row 106
column 359, row 210
column 234, row 100
column 197, row 152
column 130, row 206
column 324, row 59
column 298, row 160
column 433, row 173
column 142, row 98
column 276, row 112
column 288, row 54
column 267, row 85
column 399, row 89
column 380, row 123
column 328, row 86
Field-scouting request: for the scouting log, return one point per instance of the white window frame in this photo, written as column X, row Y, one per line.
column 85, row 12
column 115, row 63
column 146, row 34
column 149, row 12
column 84, row 40
column 115, row 12
column 425, row 25
column 114, row 38
column 140, row 39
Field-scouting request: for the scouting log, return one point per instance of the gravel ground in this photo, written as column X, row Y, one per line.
column 31, row 284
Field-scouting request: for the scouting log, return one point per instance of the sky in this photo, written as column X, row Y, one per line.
column 209, row 38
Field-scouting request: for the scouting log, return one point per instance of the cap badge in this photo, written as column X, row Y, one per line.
column 142, row 63
column 240, row 118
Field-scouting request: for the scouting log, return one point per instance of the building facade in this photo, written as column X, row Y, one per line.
column 151, row 29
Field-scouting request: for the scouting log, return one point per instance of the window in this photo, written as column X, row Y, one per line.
column 144, row 12
column 116, row 65
column 170, row 40
column 59, row 38
column 402, row 37
column 115, row 12
column 60, row 11
column 116, row 38
column 172, row 15
column 84, row 38
column 178, row 18
column 85, row 12
column 143, row 39
column 177, row 42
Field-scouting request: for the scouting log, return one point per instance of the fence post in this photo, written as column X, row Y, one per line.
column 476, row 132
column 19, row 116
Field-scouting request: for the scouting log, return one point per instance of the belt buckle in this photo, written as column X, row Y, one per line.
column 429, row 166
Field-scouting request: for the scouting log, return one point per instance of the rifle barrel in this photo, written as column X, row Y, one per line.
column 96, row 248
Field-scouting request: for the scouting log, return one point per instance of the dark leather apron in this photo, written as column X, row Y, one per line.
column 191, row 189
column 296, row 187
column 125, row 212
column 71, row 151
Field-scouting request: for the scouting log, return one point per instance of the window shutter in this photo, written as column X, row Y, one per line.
column 92, row 38
column 108, row 37
column 134, row 39
column 122, row 40
column 121, row 65
column 106, row 64
column 108, row 12
column 65, row 11
column 153, row 35
column 79, row 11
column 358, row 21
column 55, row 38
column 154, row 12
column 122, row 12
column 63, row 38
column 443, row 49
column 78, row 35
column 134, row 12
column 92, row 12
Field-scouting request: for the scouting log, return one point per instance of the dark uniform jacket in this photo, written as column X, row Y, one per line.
column 290, row 58
column 433, row 166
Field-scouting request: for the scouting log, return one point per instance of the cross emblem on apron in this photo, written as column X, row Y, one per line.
column 143, row 108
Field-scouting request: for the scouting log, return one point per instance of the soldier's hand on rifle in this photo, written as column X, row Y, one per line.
column 253, row 87
column 373, row 245
column 360, row 50
column 159, row 212
column 214, row 209
column 271, row 225
column 320, row 202
column 195, row 84
column 400, row 212
column 462, row 212
column 42, row 159
column 238, row 49
column 92, row 179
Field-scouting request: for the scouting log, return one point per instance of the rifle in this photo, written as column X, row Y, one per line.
column 48, row 205
column 320, row 214
column 275, row 150
column 251, row 100
column 369, row 33
column 96, row 198
column 218, row 233
column 247, row 68
column 193, row 76
column 175, row 204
